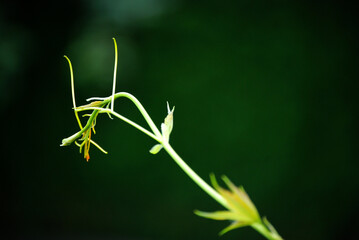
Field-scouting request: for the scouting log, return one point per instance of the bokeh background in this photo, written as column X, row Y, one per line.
column 266, row 92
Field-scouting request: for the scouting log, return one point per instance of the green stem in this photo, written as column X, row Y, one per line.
column 114, row 74
column 145, row 131
column 139, row 107
column 73, row 92
column 158, row 136
column 197, row 179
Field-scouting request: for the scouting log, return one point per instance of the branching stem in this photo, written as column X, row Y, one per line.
column 106, row 105
column 156, row 135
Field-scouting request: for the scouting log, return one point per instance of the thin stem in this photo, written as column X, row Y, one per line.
column 135, row 125
column 197, row 179
column 114, row 74
column 73, row 92
column 140, row 108
column 98, row 146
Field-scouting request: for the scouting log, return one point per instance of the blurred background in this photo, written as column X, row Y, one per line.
column 264, row 91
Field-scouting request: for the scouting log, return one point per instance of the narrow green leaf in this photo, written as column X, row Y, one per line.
column 234, row 225
column 218, row 215
column 214, row 182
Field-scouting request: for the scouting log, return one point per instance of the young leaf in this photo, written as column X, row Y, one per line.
column 155, row 149
column 167, row 126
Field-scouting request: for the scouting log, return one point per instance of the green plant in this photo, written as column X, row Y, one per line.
column 240, row 209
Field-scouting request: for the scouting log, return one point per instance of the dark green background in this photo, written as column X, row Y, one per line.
column 265, row 92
